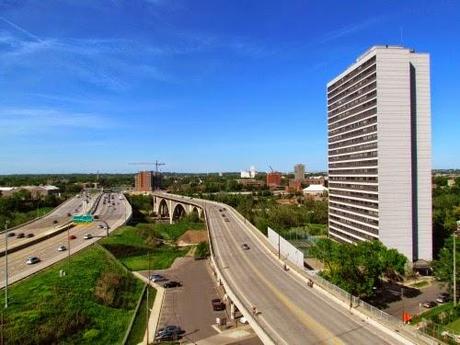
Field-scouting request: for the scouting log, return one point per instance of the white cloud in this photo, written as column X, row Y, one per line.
column 21, row 121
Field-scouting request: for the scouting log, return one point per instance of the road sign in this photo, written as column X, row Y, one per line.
column 83, row 218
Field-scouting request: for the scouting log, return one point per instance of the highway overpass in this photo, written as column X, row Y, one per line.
column 288, row 311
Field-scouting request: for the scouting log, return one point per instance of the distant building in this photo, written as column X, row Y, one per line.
column 36, row 192
column 144, row 181
column 273, row 179
column 315, row 190
column 294, row 186
column 251, row 173
column 315, row 180
column 299, row 172
column 250, row 182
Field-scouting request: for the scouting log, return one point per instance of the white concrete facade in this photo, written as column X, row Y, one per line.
column 379, row 126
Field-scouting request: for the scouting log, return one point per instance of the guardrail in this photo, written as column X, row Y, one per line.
column 36, row 240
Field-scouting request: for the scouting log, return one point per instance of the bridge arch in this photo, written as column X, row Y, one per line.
column 163, row 209
column 179, row 212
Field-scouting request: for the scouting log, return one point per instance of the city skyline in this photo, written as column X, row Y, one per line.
column 96, row 92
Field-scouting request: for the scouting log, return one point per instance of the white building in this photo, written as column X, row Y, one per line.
column 251, row 173
column 315, row 189
column 379, row 153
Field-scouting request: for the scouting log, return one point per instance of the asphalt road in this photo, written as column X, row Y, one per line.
column 47, row 249
column 47, row 224
column 289, row 311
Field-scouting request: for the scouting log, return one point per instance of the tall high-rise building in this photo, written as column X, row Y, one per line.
column 379, row 151
column 144, row 181
column 299, row 172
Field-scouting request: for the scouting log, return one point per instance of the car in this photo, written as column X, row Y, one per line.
column 55, row 221
column 11, row 234
column 100, row 226
column 157, row 278
column 171, row 284
column 217, row 304
column 443, row 298
column 169, row 328
column 32, row 260
column 429, row 304
column 88, row 236
column 61, row 249
column 30, row 235
column 69, row 214
column 227, row 220
column 245, row 246
column 21, row 235
column 72, row 237
column 167, row 336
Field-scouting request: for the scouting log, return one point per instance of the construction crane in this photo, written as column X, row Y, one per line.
column 271, row 168
column 157, row 165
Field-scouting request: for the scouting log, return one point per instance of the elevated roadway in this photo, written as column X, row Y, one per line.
column 288, row 311
column 111, row 215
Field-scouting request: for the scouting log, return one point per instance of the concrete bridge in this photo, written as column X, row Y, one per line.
column 165, row 207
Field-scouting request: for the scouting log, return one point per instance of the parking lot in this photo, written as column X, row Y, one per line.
column 190, row 306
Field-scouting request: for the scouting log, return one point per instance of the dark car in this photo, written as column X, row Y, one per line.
column 72, row 237
column 69, row 214
column 169, row 333
column 21, row 235
column 171, row 284
column 217, row 304
column 429, row 304
column 11, row 234
column 30, row 235
column 169, row 328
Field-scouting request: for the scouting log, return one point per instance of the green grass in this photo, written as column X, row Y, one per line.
column 19, row 218
column 47, row 309
column 131, row 244
column 160, row 258
column 420, row 284
column 140, row 322
column 455, row 325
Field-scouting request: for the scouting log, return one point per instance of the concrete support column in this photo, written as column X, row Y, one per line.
column 171, row 211
column 232, row 310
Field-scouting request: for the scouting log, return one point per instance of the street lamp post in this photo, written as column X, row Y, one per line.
column 6, row 264
column 454, row 252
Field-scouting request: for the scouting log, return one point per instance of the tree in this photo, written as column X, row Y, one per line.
column 443, row 267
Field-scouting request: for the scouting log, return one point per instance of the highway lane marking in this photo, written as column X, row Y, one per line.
column 303, row 317
column 229, row 278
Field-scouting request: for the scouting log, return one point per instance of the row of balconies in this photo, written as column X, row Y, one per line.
column 354, row 179
column 354, row 156
column 354, row 164
column 349, row 222
column 362, row 203
column 355, row 133
column 362, row 123
column 358, row 187
column 347, row 231
column 353, row 104
column 359, row 116
column 369, row 76
column 360, row 211
column 361, row 195
column 350, row 78
column 352, row 96
column 354, row 141
column 353, row 149
column 366, row 220
column 356, row 110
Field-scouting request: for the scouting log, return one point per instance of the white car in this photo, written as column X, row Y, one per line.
column 88, row 236
column 61, row 249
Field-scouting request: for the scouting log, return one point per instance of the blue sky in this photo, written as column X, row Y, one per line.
column 203, row 85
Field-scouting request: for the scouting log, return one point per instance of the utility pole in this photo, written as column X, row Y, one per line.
column 6, row 264
column 454, row 252
column 148, row 306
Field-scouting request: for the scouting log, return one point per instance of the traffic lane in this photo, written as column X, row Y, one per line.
column 347, row 327
column 14, row 241
column 47, row 250
column 346, row 330
column 246, row 283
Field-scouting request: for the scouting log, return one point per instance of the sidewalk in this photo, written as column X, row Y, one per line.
column 240, row 335
column 154, row 317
